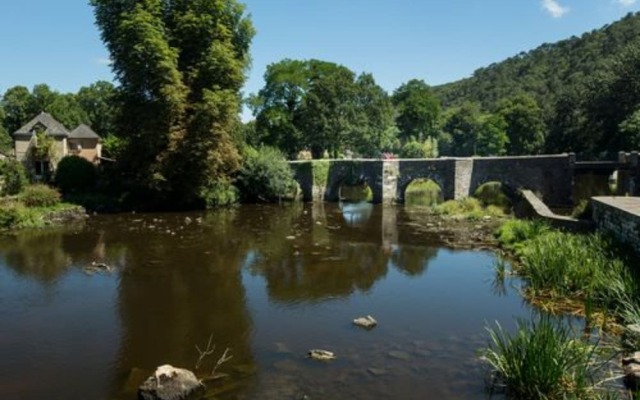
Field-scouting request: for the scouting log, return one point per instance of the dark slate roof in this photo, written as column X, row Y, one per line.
column 83, row 132
column 53, row 127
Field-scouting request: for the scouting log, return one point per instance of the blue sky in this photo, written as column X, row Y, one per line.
column 56, row 42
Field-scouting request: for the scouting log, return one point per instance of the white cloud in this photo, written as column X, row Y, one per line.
column 103, row 61
column 626, row 3
column 556, row 10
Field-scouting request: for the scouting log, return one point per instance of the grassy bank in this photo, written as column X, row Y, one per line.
column 37, row 206
column 563, row 272
column 586, row 275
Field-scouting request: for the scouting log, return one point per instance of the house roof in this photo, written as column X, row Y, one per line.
column 53, row 127
column 83, row 132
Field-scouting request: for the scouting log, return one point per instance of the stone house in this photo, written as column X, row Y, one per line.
column 82, row 141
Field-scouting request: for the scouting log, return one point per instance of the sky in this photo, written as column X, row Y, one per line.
column 438, row 41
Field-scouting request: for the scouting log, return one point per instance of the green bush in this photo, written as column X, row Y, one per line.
column 39, row 195
column 514, row 233
column 13, row 177
column 219, row 193
column 266, row 176
column 492, row 193
column 423, row 192
column 412, row 149
column 75, row 174
column 10, row 215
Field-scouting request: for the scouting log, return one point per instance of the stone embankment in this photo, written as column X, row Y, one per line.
column 620, row 217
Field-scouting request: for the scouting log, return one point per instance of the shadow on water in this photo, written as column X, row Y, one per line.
column 268, row 282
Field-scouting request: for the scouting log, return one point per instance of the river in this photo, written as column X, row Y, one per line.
column 269, row 283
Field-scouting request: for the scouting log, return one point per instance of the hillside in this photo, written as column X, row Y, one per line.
column 547, row 71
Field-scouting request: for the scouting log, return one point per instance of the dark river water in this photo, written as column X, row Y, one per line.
column 267, row 282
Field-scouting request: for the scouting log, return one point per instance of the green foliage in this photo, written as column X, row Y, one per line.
column 470, row 208
column 585, row 90
column 13, row 176
column 44, row 148
column 417, row 110
column 415, row 149
column 423, row 192
column 114, row 146
column 322, row 106
column 412, row 149
column 515, row 233
column 320, row 170
column 181, row 65
column 75, row 173
column 10, row 215
column 219, row 194
column 492, row 193
column 266, row 176
column 525, row 125
column 541, row 360
column 39, row 195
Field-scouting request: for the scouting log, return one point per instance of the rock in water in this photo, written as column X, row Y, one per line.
column 322, row 355
column 170, row 383
column 367, row 322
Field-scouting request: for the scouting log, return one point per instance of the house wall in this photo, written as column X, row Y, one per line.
column 91, row 149
column 22, row 148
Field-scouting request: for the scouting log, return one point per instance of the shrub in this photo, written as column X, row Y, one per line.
column 13, row 177
column 492, row 193
column 266, row 176
column 423, row 192
column 541, row 360
column 412, row 149
column 10, row 215
column 304, row 155
column 219, row 193
column 40, row 195
column 75, row 174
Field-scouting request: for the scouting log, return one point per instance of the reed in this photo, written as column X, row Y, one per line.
column 541, row 360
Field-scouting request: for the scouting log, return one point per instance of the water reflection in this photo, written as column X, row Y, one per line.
column 180, row 278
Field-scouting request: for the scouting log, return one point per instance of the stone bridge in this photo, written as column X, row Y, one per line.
column 549, row 176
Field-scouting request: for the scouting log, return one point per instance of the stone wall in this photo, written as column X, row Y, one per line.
column 620, row 217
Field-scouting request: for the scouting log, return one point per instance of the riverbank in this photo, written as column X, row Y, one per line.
column 16, row 216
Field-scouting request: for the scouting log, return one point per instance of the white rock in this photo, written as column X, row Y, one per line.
column 365, row 322
column 322, row 355
column 170, row 383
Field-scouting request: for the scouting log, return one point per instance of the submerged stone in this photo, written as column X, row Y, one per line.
column 400, row 355
column 170, row 383
column 367, row 322
column 322, row 355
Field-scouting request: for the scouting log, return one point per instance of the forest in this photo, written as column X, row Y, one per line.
column 172, row 120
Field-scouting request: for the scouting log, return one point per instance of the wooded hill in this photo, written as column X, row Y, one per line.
column 548, row 71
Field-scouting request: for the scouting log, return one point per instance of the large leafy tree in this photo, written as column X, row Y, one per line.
column 322, row 106
column 181, row 65
column 417, row 110
column 16, row 103
column 525, row 124
column 99, row 102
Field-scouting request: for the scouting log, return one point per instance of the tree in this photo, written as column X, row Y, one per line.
column 6, row 144
column 181, row 65
column 492, row 139
column 99, row 102
column 525, row 124
column 463, row 126
column 16, row 103
column 322, row 106
column 417, row 108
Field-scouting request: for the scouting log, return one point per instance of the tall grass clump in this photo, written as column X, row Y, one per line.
column 470, row 208
column 541, row 360
column 514, row 233
column 580, row 266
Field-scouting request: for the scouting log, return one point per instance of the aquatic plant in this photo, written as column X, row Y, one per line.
column 541, row 360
